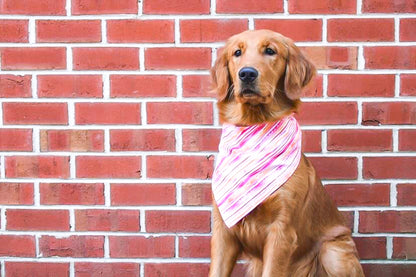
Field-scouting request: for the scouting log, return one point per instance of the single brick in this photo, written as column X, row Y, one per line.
column 404, row 248
column 389, row 167
column 196, row 194
column 247, row 6
column 361, row 85
column 179, row 58
column 106, row 58
column 336, row 167
column 142, row 140
column 80, row 7
column 407, row 29
column 140, row 31
column 389, row 270
column 176, row 269
column 360, row 194
column 407, row 141
column 371, row 247
column 71, row 193
column 142, row 247
column 13, row 30
column 37, row 220
column 37, row 167
column 108, row 166
column 35, row 113
column 313, row 113
column 323, row 7
column 38, row 7
column 361, row 29
column 14, row 86
column 197, row 86
column 138, row 86
column 176, row 7
column 211, row 30
column 196, row 140
column 348, row 219
column 314, row 88
column 70, row 86
column 16, row 139
column 117, row 269
column 34, row 58
column 180, row 113
column 390, row 57
column 360, row 140
column 16, row 194
column 14, row 269
column 143, row 194
column 107, row 220
column 296, row 29
column 195, row 167
column 17, row 246
column 386, row 113
column 332, row 57
column 178, row 221
column 194, row 247
column 388, row 6
column 72, row 246
column 107, row 113
column 406, row 194
column 311, row 141
column 72, row 140
column 68, row 31
column 408, row 84
column 387, row 222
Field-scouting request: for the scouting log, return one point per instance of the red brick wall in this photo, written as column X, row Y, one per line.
column 109, row 131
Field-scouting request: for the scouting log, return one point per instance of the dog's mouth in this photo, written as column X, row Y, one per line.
column 252, row 97
column 249, row 93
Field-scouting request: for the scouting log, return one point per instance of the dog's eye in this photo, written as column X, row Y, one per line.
column 237, row 53
column 269, row 51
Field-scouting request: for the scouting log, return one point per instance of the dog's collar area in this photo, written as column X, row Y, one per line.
column 253, row 162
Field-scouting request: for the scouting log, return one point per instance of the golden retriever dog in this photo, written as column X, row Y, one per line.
column 297, row 231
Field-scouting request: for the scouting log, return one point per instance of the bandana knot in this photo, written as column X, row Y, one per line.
column 252, row 163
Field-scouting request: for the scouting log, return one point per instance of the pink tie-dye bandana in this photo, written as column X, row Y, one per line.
column 253, row 162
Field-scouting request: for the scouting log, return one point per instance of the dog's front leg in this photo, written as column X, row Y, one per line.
column 280, row 244
column 225, row 248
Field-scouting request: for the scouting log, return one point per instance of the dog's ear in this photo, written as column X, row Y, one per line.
column 299, row 72
column 220, row 76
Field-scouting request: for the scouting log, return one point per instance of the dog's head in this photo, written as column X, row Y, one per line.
column 258, row 77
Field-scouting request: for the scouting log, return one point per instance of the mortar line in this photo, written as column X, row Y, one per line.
column 32, row 31
column 68, row 7
column 395, row 141
column 359, row 7
column 213, row 7
column 140, row 8
column 2, row 167
column 104, row 31
column 71, row 269
column 389, row 247
column 397, row 29
column 36, row 193
column 393, row 194
column 209, row 16
column 179, row 194
column 397, row 85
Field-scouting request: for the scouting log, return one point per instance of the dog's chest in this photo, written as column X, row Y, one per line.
column 252, row 230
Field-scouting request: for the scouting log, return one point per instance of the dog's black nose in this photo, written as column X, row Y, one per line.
column 248, row 74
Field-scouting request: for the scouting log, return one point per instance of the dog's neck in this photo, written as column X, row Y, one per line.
column 245, row 114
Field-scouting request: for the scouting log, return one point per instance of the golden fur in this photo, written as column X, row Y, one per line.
column 297, row 231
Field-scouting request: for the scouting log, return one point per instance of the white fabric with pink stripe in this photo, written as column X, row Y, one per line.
column 253, row 162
